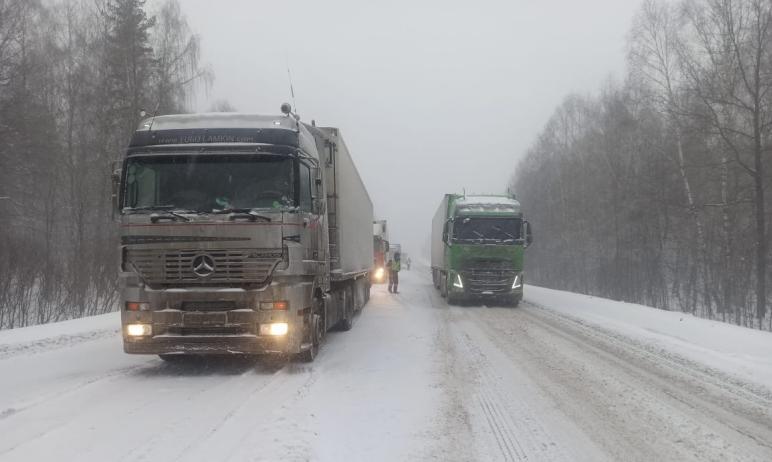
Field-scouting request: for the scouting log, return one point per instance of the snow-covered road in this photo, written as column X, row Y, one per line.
column 414, row 380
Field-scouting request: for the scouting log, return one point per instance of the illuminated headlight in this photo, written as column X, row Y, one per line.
column 274, row 329
column 379, row 273
column 457, row 282
column 139, row 330
column 518, row 282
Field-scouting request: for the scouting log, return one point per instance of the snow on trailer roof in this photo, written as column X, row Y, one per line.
column 500, row 204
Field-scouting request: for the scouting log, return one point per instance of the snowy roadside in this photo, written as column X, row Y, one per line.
column 737, row 351
column 46, row 336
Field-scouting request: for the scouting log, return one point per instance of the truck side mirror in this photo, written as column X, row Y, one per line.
column 116, row 189
column 445, row 232
column 528, row 233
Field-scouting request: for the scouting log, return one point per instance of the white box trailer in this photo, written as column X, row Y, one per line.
column 349, row 208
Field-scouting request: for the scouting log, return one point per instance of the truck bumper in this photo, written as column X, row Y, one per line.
column 215, row 321
column 247, row 344
column 498, row 288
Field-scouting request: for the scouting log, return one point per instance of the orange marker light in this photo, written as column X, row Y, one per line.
column 137, row 306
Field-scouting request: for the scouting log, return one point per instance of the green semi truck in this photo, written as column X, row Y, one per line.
column 478, row 244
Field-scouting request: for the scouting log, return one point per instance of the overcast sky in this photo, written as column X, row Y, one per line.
column 431, row 96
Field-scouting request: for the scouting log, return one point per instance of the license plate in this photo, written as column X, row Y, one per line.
column 204, row 319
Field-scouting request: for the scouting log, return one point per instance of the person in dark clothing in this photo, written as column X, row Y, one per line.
column 394, row 267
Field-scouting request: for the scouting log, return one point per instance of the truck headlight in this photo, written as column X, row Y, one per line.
column 457, row 282
column 139, row 330
column 518, row 282
column 275, row 329
column 379, row 273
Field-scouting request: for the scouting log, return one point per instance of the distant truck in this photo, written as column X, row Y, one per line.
column 477, row 249
column 240, row 233
column 380, row 251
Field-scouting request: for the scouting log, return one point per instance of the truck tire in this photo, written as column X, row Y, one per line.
column 347, row 322
column 515, row 301
column 443, row 286
column 315, row 334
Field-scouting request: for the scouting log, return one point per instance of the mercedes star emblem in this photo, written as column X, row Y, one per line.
column 203, row 266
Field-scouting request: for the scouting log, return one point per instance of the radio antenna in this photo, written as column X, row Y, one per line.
column 292, row 88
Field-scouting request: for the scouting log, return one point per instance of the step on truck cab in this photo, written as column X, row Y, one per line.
column 478, row 244
column 240, row 233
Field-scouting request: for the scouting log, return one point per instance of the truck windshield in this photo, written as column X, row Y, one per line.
column 208, row 183
column 489, row 230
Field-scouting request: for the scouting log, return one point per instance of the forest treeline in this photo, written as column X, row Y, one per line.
column 656, row 190
column 75, row 76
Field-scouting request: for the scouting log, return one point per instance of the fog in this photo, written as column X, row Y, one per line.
column 431, row 98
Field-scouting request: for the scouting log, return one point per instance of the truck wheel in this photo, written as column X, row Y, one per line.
column 514, row 301
column 309, row 355
column 347, row 322
column 443, row 286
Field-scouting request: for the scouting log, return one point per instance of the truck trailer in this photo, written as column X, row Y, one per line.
column 240, row 234
column 477, row 247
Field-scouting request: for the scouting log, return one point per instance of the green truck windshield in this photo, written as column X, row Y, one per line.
column 208, row 183
column 487, row 230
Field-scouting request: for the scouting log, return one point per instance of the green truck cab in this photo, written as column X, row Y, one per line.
column 478, row 244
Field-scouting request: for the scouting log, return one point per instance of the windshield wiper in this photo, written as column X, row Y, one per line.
column 496, row 228
column 246, row 213
column 149, row 208
column 170, row 211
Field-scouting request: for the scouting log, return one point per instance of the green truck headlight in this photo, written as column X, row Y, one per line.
column 457, row 282
column 518, row 282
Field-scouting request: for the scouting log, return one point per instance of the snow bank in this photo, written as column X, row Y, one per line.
column 39, row 338
column 738, row 351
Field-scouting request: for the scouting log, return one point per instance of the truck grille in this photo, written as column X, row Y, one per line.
column 245, row 266
column 494, row 281
column 210, row 330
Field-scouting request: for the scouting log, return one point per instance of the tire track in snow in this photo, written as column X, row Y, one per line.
column 701, row 373
column 16, row 409
column 517, row 426
column 635, row 404
column 53, row 343
column 716, row 395
column 187, row 431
